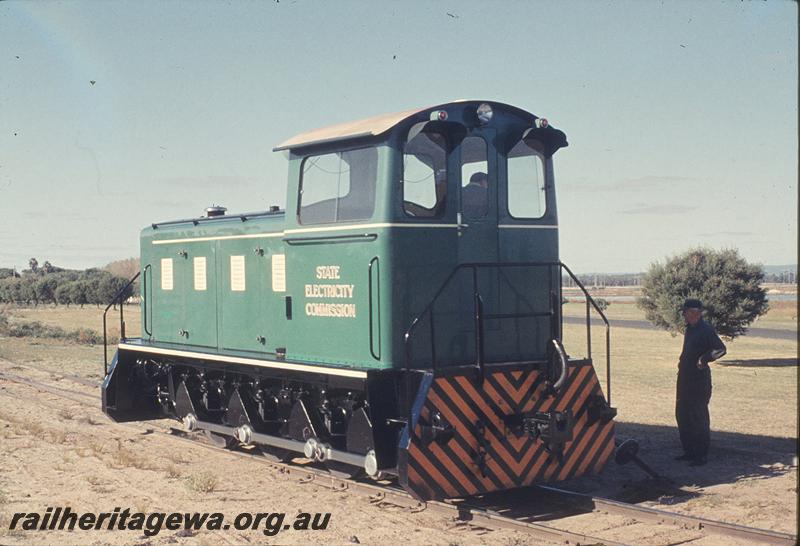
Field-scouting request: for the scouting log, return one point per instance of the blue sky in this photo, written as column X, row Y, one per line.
column 681, row 116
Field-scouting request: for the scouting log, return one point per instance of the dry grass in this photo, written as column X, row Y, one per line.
column 32, row 429
column 781, row 315
column 757, row 378
column 143, row 505
column 66, row 464
column 88, row 318
column 178, row 458
column 126, row 457
column 204, row 482
column 86, row 419
column 62, row 357
column 94, row 448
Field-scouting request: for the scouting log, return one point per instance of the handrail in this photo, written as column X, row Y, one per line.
column 478, row 316
column 562, row 358
column 590, row 299
column 374, row 260
column 243, row 217
column 114, row 301
column 145, row 310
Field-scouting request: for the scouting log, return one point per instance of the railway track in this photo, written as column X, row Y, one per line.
column 512, row 510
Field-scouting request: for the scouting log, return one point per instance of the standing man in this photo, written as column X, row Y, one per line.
column 701, row 345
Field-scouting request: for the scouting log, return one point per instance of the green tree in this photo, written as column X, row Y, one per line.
column 28, row 290
column 93, row 280
column 77, row 292
column 45, row 289
column 62, row 294
column 110, row 287
column 729, row 287
column 13, row 290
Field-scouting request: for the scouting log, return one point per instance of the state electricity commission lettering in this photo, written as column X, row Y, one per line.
column 333, row 291
column 339, row 310
column 329, row 290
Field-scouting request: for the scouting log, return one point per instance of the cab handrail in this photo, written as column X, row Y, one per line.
column 479, row 315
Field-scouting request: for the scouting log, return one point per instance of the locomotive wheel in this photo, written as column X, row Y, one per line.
column 342, row 470
column 219, row 440
column 276, row 454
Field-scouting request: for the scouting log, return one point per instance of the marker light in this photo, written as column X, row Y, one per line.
column 541, row 123
column 440, row 115
column 484, row 112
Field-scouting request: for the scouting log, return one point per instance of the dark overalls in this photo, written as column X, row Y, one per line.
column 700, row 343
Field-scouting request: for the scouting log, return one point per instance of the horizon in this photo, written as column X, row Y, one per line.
column 769, row 269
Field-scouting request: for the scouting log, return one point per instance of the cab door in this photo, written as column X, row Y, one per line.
column 475, row 165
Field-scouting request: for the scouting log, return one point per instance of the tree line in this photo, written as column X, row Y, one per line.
column 48, row 284
column 637, row 279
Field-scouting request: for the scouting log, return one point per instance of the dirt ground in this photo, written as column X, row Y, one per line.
column 56, row 452
column 78, row 458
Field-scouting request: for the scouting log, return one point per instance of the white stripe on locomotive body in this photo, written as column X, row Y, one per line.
column 336, row 228
column 249, row 361
column 370, row 226
column 527, row 226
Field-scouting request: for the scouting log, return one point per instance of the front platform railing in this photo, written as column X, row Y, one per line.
column 479, row 316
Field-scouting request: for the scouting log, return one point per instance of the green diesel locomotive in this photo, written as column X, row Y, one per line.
column 401, row 316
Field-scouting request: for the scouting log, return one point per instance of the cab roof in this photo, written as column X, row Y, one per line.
column 373, row 126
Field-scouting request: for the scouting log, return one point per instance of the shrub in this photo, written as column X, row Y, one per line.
column 729, row 287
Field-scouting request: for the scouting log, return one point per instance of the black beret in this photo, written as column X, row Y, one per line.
column 692, row 304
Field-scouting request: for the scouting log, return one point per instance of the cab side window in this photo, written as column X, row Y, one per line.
column 338, row 187
column 526, row 183
column 425, row 175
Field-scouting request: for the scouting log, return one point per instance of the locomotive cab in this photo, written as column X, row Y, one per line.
column 405, row 193
column 402, row 315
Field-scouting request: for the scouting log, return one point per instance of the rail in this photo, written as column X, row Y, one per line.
column 479, row 316
column 114, row 301
column 510, row 509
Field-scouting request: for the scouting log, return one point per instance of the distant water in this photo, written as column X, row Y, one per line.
column 782, row 297
column 770, row 297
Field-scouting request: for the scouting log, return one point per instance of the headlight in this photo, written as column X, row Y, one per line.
column 484, row 112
